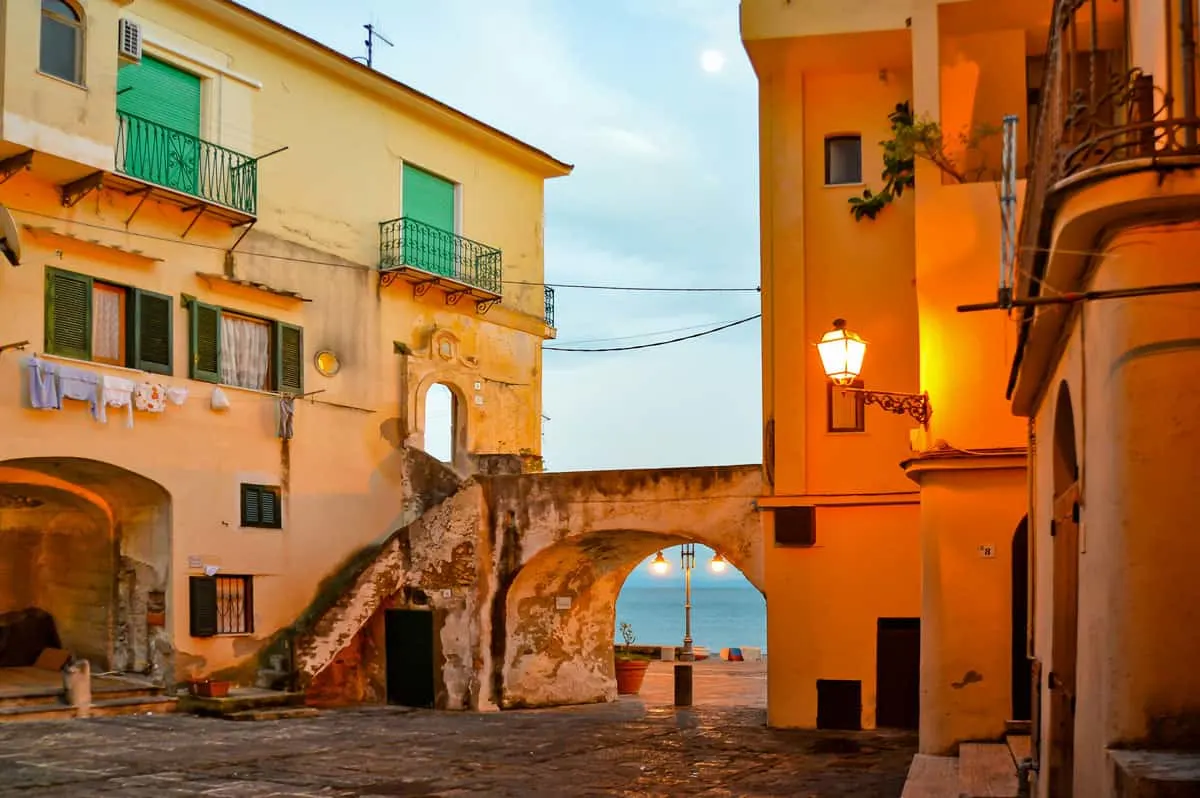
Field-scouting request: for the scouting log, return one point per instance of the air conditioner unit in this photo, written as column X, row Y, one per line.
column 129, row 41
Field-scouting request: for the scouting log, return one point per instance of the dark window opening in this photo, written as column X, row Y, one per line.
column 221, row 605
column 795, row 526
column 843, row 160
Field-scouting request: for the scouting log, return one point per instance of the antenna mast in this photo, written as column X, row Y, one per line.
column 1008, row 214
column 372, row 35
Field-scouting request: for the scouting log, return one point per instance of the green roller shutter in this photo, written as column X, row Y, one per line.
column 429, row 240
column 68, row 314
column 153, row 338
column 162, row 141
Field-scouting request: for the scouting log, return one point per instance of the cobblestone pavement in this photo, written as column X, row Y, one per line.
column 621, row 749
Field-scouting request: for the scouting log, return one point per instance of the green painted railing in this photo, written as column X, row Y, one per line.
column 549, row 306
column 170, row 158
column 408, row 242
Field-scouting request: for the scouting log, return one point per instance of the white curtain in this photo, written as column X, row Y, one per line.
column 106, row 326
column 245, row 352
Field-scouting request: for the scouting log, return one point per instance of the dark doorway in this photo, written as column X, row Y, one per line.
column 839, row 704
column 1022, row 670
column 898, row 673
column 408, row 639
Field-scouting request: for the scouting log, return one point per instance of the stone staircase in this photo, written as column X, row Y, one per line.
column 109, row 696
column 249, row 703
column 981, row 770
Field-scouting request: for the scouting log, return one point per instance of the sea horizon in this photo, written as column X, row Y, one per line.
column 723, row 616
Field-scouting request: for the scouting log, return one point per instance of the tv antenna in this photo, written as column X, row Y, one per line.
column 372, row 35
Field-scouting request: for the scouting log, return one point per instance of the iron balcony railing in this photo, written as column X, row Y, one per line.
column 1096, row 109
column 406, row 242
column 549, row 317
column 180, row 161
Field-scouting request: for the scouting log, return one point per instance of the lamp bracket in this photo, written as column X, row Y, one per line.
column 915, row 405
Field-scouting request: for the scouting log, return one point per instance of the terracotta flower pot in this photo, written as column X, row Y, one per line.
column 630, row 674
column 210, row 689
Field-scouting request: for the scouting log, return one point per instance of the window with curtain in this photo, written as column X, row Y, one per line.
column 245, row 352
column 108, row 324
column 62, row 41
column 843, row 160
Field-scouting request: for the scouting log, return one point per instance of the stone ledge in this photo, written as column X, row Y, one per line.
column 1156, row 774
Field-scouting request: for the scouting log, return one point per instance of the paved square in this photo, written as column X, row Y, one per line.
column 622, row 749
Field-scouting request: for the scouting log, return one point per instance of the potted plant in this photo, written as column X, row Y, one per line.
column 630, row 667
column 210, row 688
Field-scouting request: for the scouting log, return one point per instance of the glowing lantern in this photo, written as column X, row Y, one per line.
column 841, row 353
column 660, row 565
column 718, row 563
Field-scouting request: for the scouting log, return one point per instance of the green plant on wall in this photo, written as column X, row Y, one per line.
column 914, row 138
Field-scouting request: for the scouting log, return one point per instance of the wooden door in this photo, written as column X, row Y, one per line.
column 898, row 673
column 1060, row 759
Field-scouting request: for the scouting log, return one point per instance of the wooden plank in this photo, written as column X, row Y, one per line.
column 986, row 770
column 932, row 777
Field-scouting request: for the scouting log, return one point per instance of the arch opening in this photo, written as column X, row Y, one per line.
column 441, row 423
column 84, row 565
column 561, row 614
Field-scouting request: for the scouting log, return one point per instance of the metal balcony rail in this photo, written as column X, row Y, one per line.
column 406, row 242
column 549, row 306
column 180, row 161
column 1098, row 110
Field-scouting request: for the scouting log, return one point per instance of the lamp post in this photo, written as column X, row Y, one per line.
column 687, row 559
column 842, row 354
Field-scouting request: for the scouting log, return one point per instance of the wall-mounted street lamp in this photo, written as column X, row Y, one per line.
column 842, row 354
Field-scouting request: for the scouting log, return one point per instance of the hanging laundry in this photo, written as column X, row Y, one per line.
column 287, row 412
column 219, row 400
column 118, row 392
column 150, row 398
column 43, row 386
column 82, row 386
column 177, row 396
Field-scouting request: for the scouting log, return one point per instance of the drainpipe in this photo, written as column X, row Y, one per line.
column 1187, row 20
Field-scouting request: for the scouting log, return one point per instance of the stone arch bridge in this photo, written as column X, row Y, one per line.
column 521, row 573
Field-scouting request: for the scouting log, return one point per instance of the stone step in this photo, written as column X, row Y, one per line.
column 32, row 698
column 1156, row 774
column 240, row 699
column 932, row 777
column 986, row 770
column 131, row 692
column 276, row 713
column 132, row 705
column 1018, row 727
column 60, row 711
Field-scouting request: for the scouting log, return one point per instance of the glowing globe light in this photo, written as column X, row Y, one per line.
column 841, row 353
column 660, row 565
column 718, row 564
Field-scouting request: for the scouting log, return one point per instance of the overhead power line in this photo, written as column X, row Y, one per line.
column 650, row 334
column 658, row 343
column 335, row 264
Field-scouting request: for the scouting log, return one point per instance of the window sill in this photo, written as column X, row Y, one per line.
column 245, row 528
column 64, row 81
column 106, row 366
column 845, row 185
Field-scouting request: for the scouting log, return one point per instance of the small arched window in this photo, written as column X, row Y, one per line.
column 62, row 41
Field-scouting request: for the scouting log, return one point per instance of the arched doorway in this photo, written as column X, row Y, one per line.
column 85, row 547
column 1064, row 529
column 440, row 413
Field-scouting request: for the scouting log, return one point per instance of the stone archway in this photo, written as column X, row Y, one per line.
column 89, row 543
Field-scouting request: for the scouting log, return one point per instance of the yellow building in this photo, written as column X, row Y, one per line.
column 272, row 252
column 832, row 75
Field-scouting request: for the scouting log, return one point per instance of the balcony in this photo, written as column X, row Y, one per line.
column 426, row 256
column 549, row 311
column 221, row 179
column 1101, row 115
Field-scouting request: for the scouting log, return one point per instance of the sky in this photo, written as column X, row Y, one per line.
column 654, row 102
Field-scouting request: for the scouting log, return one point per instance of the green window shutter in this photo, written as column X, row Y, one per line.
column 160, row 93
column 251, row 506
column 289, row 358
column 202, row 605
column 269, row 507
column 205, row 342
column 153, row 332
column 68, row 314
column 261, row 506
column 428, row 199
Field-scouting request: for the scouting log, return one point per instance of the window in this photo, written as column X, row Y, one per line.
column 221, row 605
column 242, row 350
column 90, row 319
column 796, row 526
column 845, row 408
column 260, row 506
column 62, row 41
column 843, row 160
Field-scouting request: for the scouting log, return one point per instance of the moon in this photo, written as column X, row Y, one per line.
column 712, row 61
